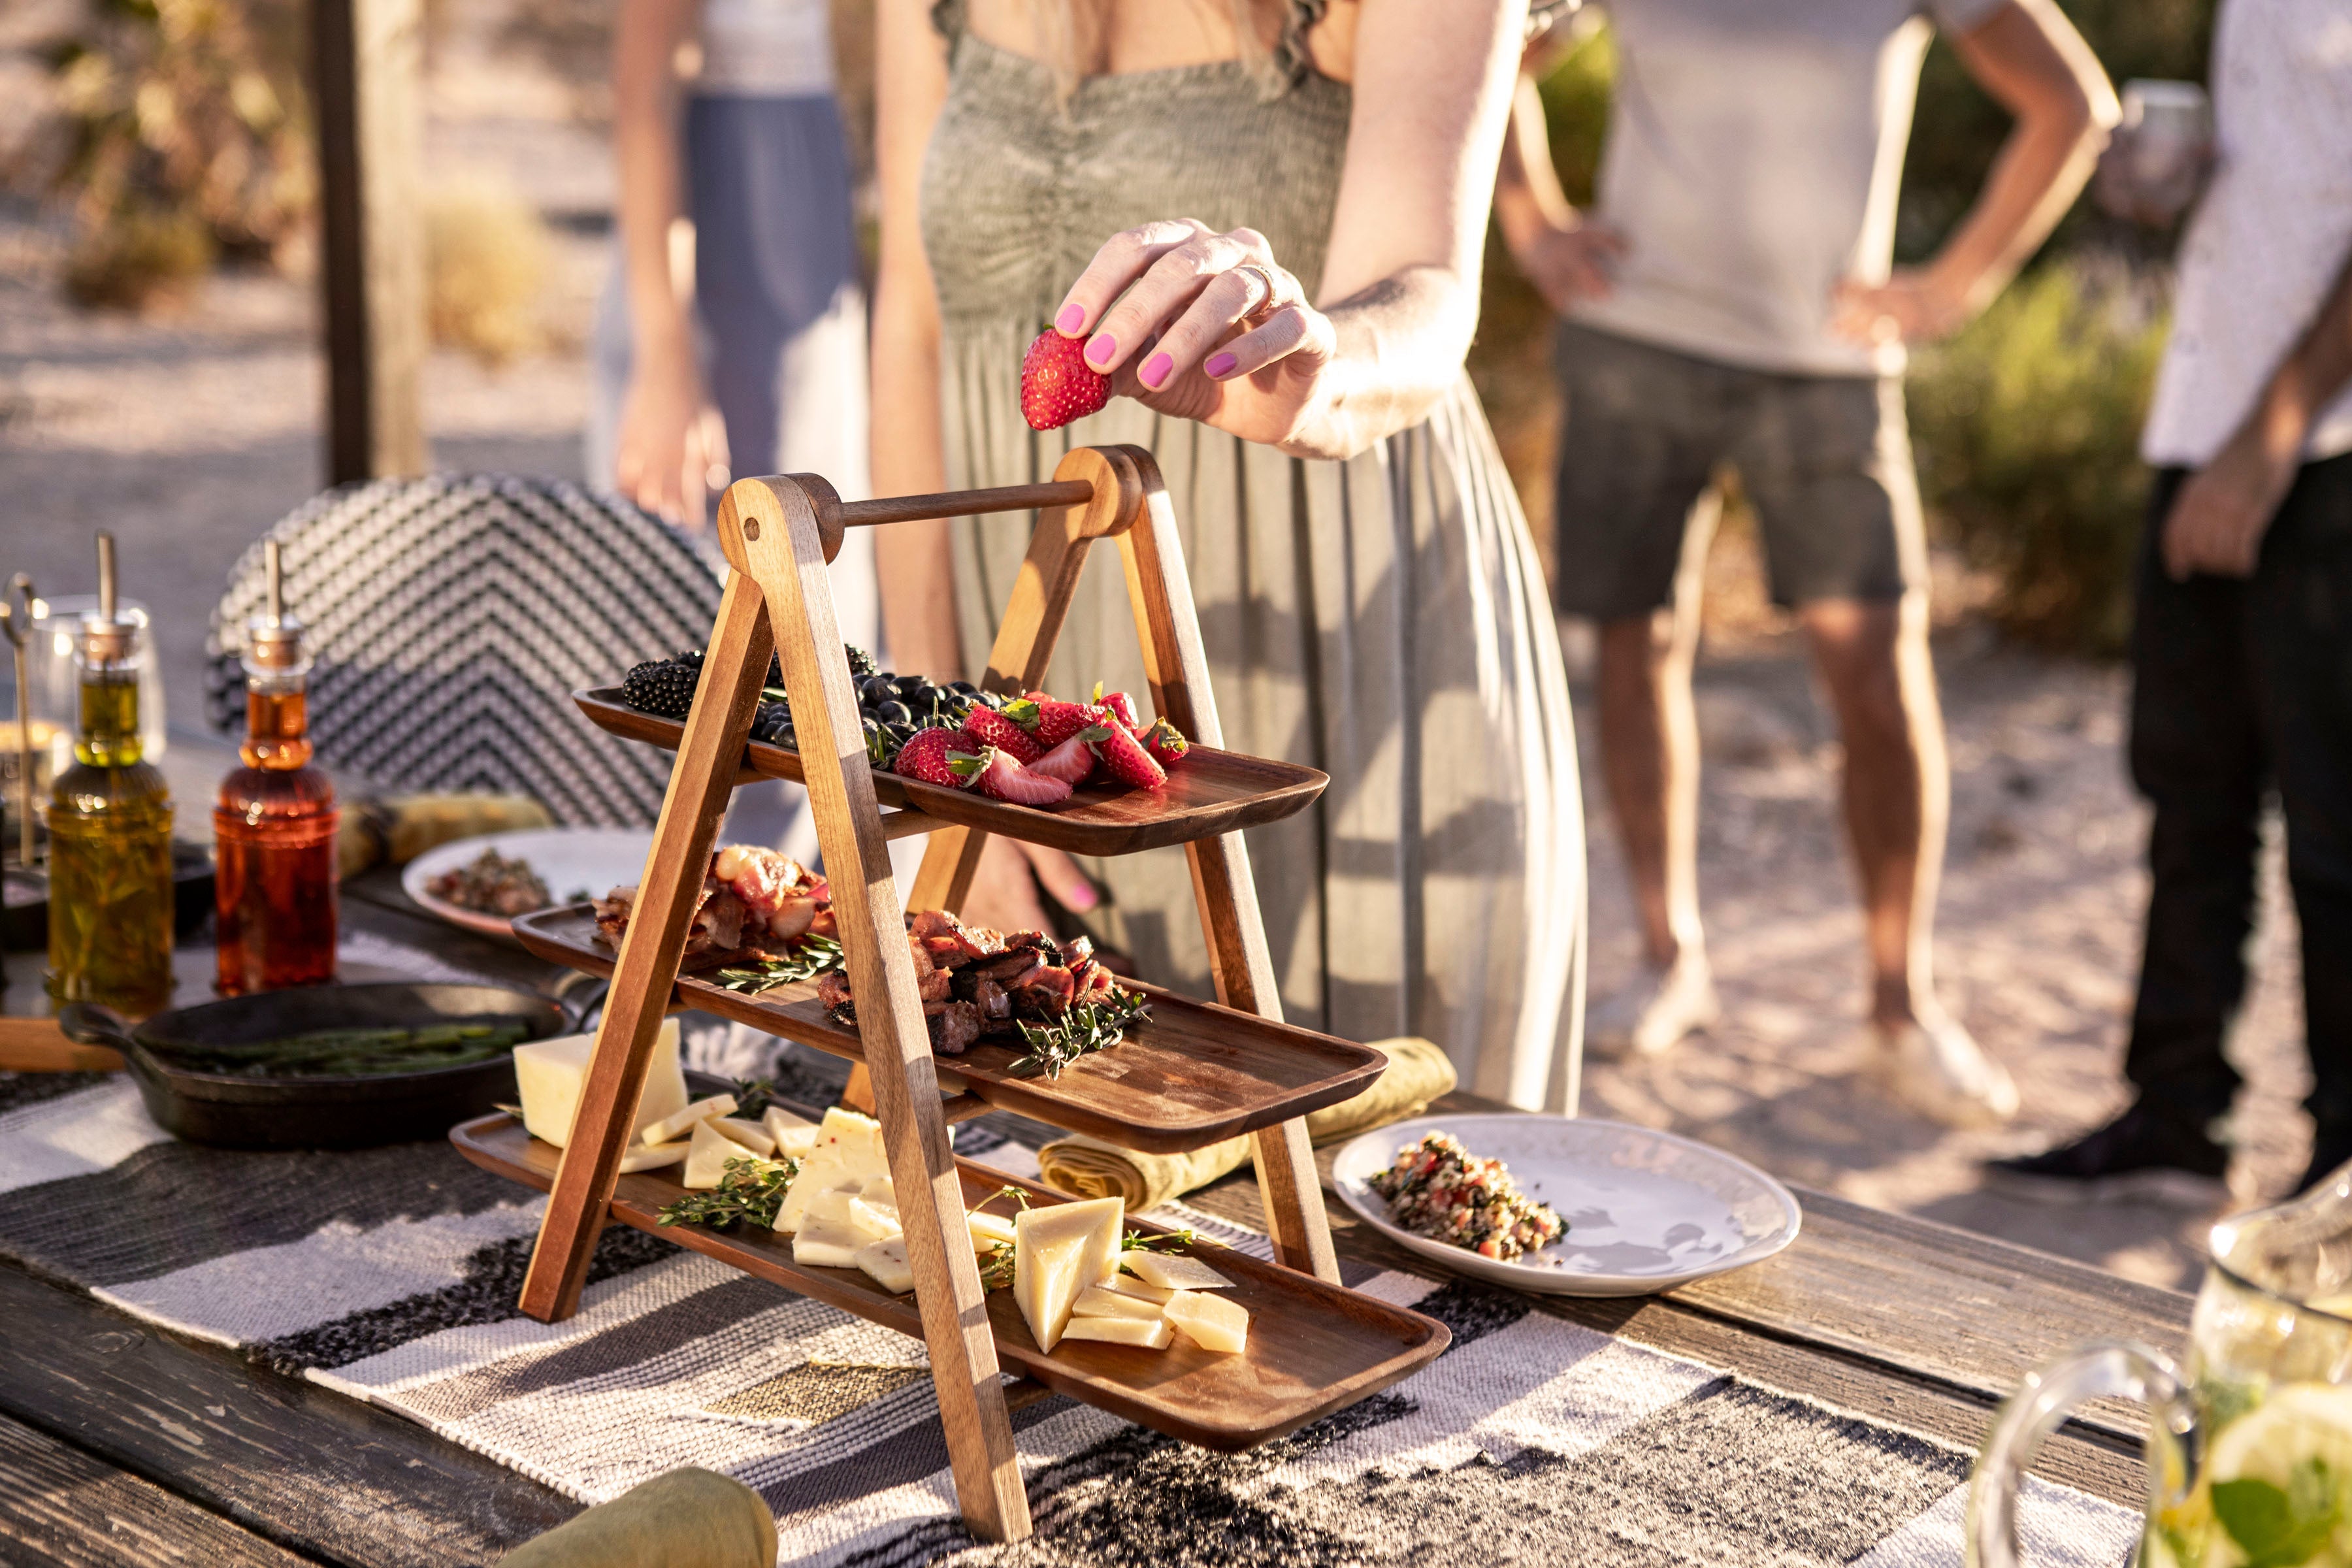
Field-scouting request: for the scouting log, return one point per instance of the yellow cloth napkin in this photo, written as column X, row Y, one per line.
column 686, row 1519
column 1085, row 1167
column 400, row 827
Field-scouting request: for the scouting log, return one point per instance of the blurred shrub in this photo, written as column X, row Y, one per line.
column 2027, row 427
column 186, row 140
column 487, row 257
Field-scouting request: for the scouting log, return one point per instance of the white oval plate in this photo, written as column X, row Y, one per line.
column 568, row 860
column 1647, row 1211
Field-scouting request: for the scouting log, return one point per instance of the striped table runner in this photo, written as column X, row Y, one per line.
column 391, row 1275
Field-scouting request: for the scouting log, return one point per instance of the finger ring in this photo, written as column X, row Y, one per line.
column 1264, row 281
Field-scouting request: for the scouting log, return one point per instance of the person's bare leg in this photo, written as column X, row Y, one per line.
column 1875, row 660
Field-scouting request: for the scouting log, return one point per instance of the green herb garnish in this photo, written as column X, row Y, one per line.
column 753, row 1096
column 1083, row 1029
column 749, row 1189
column 2280, row 1527
column 812, row 957
column 1136, row 1241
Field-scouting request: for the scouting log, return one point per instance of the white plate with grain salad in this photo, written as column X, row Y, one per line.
column 1642, row 1211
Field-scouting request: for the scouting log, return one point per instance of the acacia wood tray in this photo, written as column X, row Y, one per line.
column 1208, row 793
column 1191, row 1075
column 1313, row 1348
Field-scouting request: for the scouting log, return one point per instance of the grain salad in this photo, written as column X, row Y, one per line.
column 1440, row 1190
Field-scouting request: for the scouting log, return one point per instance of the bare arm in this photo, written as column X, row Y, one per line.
column 2029, row 56
column 1568, row 257
column 2217, row 521
column 919, row 609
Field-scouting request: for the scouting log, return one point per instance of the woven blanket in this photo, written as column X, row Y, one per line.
column 391, row 1275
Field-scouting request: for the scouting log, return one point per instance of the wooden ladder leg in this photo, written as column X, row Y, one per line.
column 646, row 971
column 1178, row 667
column 773, row 529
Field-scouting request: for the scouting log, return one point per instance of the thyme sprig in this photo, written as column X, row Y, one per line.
column 1136, row 1241
column 996, row 1264
column 753, row 1096
column 812, row 957
column 1081, row 1030
column 749, row 1189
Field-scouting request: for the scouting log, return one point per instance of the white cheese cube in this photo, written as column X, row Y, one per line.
column 886, row 1264
column 847, row 1151
column 552, row 1073
column 652, row 1157
column 794, row 1138
column 826, row 1247
column 680, row 1125
column 1154, row 1335
column 1172, row 1271
column 989, row 1231
column 1127, row 1284
column 706, row 1153
column 1057, row 1252
column 1100, row 1301
column 1212, row 1322
column 750, row 1134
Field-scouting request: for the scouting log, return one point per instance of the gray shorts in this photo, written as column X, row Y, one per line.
column 1825, row 461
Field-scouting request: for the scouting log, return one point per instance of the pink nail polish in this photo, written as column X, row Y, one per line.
column 1155, row 370
column 1071, row 319
column 1101, row 350
column 1220, row 366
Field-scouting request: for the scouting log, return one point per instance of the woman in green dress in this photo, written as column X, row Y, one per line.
column 1266, row 219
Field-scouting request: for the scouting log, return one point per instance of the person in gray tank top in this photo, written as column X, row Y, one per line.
column 1266, row 218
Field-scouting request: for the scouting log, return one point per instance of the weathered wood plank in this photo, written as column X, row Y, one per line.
column 59, row 1505
column 312, row 1471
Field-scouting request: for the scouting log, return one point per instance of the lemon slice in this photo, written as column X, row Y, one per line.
column 2264, row 1468
column 2298, row 1422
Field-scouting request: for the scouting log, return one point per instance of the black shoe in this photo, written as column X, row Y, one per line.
column 2330, row 1148
column 2144, row 1153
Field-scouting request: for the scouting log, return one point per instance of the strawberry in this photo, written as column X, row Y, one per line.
column 1166, row 744
column 926, row 756
column 1129, row 762
column 1058, row 385
column 991, row 728
column 1072, row 760
column 1053, row 721
column 1121, row 705
column 999, row 775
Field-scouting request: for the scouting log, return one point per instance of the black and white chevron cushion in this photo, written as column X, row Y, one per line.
column 451, row 617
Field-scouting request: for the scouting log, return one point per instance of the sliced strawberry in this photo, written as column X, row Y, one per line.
column 1058, row 385
column 1129, row 762
column 1121, row 705
column 1058, row 722
column 996, row 773
column 1071, row 762
column 1166, row 744
column 926, row 756
column 991, row 728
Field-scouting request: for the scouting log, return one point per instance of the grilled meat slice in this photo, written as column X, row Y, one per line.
column 832, row 989
column 954, row 1026
column 935, row 926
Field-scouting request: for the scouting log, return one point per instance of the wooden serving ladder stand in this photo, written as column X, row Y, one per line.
column 778, row 534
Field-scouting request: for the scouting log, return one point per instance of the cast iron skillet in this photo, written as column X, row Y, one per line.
column 314, row 1112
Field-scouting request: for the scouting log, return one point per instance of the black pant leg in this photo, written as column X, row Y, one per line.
column 2197, row 754
column 2299, row 616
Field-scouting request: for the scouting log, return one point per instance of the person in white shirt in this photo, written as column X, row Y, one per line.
column 1733, row 300
column 2242, row 653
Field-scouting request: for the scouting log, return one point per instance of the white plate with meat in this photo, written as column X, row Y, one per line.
column 1642, row 1211
column 532, row 868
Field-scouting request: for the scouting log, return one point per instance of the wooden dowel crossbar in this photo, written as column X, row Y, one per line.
column 964, row 503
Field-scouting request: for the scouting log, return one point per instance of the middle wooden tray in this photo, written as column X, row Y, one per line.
column 1194, row 1074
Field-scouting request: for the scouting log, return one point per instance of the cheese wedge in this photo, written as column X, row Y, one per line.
column 1057, row 1252
column 880, row 1189
column 706, row 1153
column 886, row 1264
column 750, row 1134
column 847, row 1151
column 1154, row 1335
column 1173, row 1271
column 1212, row 1322
column 1129, row 1285
column 794, row 1138
column 827, row 1246
column 550, row 1074
column 880, row 1218
column 652, row 1157
column 988, row 1230
column 1096, row 1301
column 680, row 1125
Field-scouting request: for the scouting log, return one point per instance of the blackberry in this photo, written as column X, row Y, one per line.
column 662, row 687
column 861, row 663
column 691, row 657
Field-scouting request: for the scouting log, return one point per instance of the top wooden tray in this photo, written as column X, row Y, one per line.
column 1208, row 793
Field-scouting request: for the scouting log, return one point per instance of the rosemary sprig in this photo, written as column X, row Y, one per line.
column 812, row 957
column 1082, row 1029
column 749, row 1189
column 996, row 1263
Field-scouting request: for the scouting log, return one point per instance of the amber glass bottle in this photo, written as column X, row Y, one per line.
column 274, row 824
column 111, row 831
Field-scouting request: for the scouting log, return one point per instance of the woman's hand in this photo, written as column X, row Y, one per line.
column 1206, row 326
column 1571, row 263
column 1005, row 886
column 671, row 450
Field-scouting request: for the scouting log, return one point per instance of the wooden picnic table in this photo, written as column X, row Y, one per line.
column 121, row 1444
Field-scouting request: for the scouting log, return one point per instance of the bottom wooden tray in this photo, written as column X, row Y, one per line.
column 1313, row 1348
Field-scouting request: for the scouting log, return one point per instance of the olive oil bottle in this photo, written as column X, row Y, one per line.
column 274, row 823
column 109, row 829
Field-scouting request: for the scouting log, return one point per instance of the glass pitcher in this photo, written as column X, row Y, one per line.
column 2249, row 1449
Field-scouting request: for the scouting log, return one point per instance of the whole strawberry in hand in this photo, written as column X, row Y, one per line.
column 1058, row 385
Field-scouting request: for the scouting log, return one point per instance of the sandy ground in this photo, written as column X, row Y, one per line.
column 188, row 433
